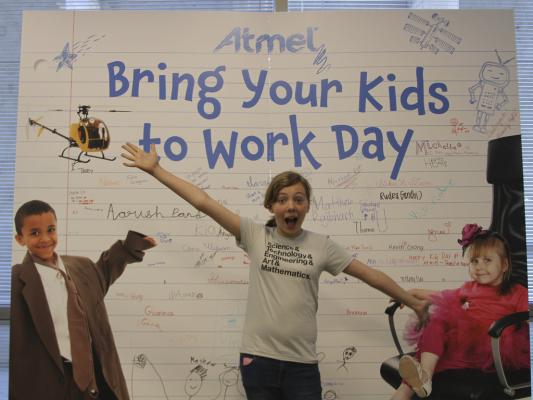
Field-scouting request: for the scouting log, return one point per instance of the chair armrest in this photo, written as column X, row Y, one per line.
column 495, row 331
column 392, row 307
column 390, row 310
column 498, row 326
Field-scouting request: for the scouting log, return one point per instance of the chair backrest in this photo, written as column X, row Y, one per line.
column 504, row 172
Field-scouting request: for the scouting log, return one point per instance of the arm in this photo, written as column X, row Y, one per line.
column 472, row 91
column 422, row 294
column 113, row 261
column 189, row 192
column 385, row 284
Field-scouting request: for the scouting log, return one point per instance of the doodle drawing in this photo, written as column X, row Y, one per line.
column 493, row 78
column 347, row 354
column 67, row 57
column 431, row 35
column 194, row 381
column 229, row 384
column 140, row 362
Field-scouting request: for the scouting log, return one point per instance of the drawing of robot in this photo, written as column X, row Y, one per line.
column 493, row 78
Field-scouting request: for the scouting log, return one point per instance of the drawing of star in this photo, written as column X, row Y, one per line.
column 66, row 58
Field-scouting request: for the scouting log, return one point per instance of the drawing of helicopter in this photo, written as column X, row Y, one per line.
column 89, row 134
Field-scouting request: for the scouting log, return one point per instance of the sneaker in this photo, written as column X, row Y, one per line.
column 415, row 376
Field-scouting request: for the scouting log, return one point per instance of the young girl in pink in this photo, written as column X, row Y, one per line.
column 456, row 335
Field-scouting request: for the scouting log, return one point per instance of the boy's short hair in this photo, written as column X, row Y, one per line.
column 32, row 207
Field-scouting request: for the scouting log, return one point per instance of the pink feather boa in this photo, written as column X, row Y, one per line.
column 464, row 316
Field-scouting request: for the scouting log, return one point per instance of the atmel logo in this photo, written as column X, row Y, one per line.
column 243, row 39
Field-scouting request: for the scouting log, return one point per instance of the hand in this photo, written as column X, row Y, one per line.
column 151, row 241
column 419, row 294
column 422, row 294
column 422, row 312
column 140, row 159
column 139, row 241
column 136, row 243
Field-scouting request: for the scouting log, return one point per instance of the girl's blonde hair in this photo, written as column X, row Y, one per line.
column 280, row 181
column 493, row 240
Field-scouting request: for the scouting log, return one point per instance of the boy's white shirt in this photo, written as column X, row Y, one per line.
column 56, row 294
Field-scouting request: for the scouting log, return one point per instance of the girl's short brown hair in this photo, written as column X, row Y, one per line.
column 280, row 181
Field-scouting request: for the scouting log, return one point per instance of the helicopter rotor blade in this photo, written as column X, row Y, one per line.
column 96, row 110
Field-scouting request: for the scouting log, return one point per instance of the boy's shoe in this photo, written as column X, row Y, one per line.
column 415, row 376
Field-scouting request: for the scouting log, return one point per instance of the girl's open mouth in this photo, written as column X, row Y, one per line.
column 291, row 221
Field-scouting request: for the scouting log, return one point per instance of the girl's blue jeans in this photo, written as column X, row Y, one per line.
column 269, row 379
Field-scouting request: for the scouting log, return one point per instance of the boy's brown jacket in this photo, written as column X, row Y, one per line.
column 35, row 364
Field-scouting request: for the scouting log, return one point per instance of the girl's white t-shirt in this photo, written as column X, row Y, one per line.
column 283, row 290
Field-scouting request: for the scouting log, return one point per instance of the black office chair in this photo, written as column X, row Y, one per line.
column 467, row 384
column 504, row 172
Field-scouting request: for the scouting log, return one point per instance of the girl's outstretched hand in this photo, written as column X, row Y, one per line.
column 139, row 158
column 422, row 312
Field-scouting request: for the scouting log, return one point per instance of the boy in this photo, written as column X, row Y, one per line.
column 42, row 337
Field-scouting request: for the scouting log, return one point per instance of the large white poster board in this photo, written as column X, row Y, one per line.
column 388, row 114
